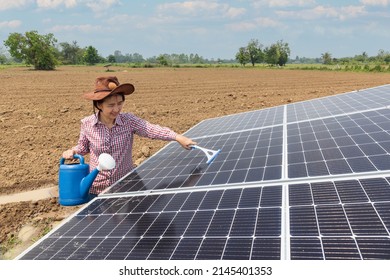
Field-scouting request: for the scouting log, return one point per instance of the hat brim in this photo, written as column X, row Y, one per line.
column 124, row 89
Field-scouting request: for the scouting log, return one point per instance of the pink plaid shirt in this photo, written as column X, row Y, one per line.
column 96, row 138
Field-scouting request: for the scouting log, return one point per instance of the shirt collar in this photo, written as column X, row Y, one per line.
column 118, row 120
column 96, row 119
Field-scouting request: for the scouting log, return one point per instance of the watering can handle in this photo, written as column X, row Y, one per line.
column 79, row 157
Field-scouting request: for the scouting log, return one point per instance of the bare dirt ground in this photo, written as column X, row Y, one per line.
column 40, row 114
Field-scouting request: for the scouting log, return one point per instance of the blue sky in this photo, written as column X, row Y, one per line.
column 213, row 29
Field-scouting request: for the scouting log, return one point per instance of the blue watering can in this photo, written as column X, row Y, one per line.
column 75, row 180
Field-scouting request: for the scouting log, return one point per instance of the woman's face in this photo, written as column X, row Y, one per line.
column 111, row 107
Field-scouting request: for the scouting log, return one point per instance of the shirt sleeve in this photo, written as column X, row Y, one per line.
column 146, row 129
column 82, row 146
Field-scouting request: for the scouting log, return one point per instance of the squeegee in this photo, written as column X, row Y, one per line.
column 211, row 154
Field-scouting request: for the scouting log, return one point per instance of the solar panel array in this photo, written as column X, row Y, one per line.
column 197, row 225
column 308, row 180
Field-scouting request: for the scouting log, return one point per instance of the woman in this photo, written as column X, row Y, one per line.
column 110, row 131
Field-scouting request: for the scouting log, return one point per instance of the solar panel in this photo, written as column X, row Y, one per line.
column 254, row 155
column 242, row 121
column 337, row 145
column 340, row 220
column 213, row 224
column 307, row 180
column 362, row 100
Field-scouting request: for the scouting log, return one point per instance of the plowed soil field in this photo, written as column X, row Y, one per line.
column 40, row 113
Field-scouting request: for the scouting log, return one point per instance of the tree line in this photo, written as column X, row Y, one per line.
column 44, row 53
column 382, row 57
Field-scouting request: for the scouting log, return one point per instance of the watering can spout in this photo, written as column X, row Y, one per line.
column 106, row 162
column 86, row 182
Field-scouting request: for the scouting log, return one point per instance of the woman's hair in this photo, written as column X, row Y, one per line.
column 99, row 102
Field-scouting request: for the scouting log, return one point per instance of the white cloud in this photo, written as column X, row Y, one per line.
column 94, row 5
column 341, row 13
column 122, row 19
column 234, row 12
column 82, row 28
column 267, row 22
column 197, row 8
column 351, row 12
column 340, row 31
column 10, row 24
column 138, row 22
column 242, row 26
column 282, row 3
column 199, row 31
column 188, row 7
column 253, row 24
column 50, row 4
column 11, row 4
column 375, row 2
column 47, row 20
column 100, row 5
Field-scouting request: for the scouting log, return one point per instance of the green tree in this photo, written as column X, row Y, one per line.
column 111, row 58
column 162, row 60
column 119, row 57
column 272, row 54
column 136, row 57
column 3, row 57
column 243, row 56
column 71, row 53
column 383, row 56
column 91, row 56
column 277, row 54
column 183, row 58
column 197, row 59
column 34, row 49
column 284, row 51
column 387, row 59
column 255, row 53
column 326, row 58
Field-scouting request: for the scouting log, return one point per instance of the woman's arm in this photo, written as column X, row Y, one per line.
column 185, row 142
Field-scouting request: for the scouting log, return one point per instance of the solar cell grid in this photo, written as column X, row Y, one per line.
column 245, row 157
column 332, row 221
column 337, row 145
column 374, row 248
column 326, row 214
column 340, row 249
column 242, row 121
column 224, row 220
column 339, row 104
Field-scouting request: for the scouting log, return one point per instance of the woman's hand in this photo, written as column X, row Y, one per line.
column 68, row 154
column 185, row 142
